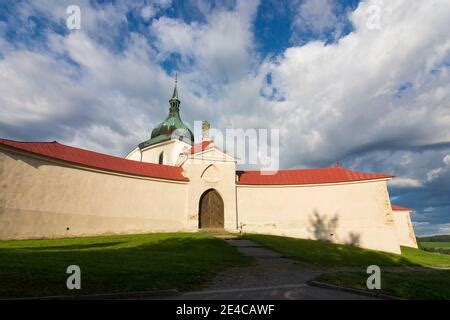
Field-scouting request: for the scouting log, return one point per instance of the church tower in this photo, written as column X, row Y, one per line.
column 168, row 139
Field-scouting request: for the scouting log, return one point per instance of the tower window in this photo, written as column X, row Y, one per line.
column 161, row 158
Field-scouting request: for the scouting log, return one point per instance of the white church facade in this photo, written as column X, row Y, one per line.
column 169, row 183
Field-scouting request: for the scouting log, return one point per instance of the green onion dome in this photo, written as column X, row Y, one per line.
column 172, row 128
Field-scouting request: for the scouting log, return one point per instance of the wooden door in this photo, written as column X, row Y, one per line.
column 211, row 210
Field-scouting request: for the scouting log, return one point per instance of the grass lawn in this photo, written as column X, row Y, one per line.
column 445, row 245
column 421, row 285
column 437, row 247
column 109, row 264
column 428, row 284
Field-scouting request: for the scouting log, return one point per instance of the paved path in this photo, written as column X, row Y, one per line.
column 273, row 277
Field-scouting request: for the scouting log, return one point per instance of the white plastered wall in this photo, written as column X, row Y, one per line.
column 171, row 150
column 350, row 213
column 41, row 199
column 404, row 228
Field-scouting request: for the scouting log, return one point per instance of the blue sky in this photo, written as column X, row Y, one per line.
column 366, row 82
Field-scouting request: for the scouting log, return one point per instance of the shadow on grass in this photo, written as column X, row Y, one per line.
column 147, row 263
column 328, row 254
column 74, row 247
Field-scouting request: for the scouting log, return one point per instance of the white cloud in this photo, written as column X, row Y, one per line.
column 148, row 12
column 107, row 104
column 344, row 96
column 111, row 100
column 316, row 16
column 220, row 49
column 405, row 183
column 441, row 171
column 446, row 159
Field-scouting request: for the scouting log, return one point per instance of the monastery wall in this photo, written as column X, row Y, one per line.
column 41, row 198
column 46, row 198
column 350, row 213
column 404, row 228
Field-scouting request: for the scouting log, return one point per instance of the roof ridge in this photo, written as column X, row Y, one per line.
column 307, row 176
column 18, row 141
column 318, row 168
column 289, row 169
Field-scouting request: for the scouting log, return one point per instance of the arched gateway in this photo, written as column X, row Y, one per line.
column 211, row 214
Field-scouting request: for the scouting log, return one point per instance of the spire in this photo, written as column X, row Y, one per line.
column 175, row 90
column 174, row 101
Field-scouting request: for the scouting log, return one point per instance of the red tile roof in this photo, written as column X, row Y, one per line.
column 307, row 176
column 198, row 147
column 398, row 208
column 97, row 160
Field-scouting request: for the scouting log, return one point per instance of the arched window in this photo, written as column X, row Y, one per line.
column 161, row 158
